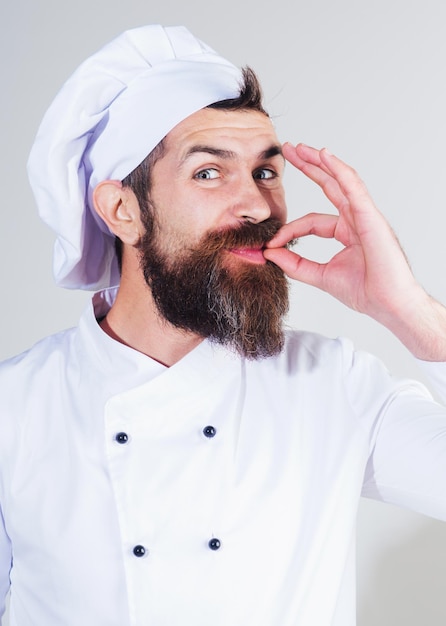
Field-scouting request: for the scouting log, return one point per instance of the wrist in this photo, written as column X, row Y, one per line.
column 420, row 324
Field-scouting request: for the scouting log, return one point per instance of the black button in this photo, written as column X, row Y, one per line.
column 122, row 437
column 139, row 551
column 214, row 543
column 209, row 431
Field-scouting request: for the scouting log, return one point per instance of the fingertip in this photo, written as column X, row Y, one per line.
column 297, row 146
column 302, row 146
column 271, row 244
column 288, row 146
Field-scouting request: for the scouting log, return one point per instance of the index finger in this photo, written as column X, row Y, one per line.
column 319, row 224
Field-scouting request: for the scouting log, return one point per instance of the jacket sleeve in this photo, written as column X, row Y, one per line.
column 407, row 461
column 5, row 566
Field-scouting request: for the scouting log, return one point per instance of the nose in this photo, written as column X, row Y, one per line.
column 251, row 203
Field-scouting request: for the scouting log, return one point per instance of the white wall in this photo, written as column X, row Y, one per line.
column 364, row 78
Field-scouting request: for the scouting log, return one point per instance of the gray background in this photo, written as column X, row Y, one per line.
column 366, row 79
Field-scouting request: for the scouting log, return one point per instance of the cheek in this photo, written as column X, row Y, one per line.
column 186, row 214
column 195, row 219
column 177, row 236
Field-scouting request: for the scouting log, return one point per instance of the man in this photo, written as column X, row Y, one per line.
column 178, row 458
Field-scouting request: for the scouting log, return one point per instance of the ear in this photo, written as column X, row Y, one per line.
column 118, row 207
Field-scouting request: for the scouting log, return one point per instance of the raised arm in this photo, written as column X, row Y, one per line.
column 370, row 274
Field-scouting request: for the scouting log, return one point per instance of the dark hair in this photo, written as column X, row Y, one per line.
column 250, row 98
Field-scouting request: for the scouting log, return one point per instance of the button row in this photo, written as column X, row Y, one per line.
column 208, row 431
column 140, row 551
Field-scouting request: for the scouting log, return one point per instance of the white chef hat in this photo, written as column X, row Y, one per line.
column 105, row 120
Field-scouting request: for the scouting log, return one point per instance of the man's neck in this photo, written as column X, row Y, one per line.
column 134, row 320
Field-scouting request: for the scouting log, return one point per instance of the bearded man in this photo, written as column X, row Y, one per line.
column 202, row 256
column 178, row 458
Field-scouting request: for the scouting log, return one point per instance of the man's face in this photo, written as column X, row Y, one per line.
column 216, row 198
column 219, row 169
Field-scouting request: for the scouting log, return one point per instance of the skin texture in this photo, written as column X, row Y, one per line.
column 197, row 188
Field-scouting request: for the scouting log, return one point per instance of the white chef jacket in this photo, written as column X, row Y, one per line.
column 216, row 492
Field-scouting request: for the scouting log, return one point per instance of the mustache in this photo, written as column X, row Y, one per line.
column 247, row 235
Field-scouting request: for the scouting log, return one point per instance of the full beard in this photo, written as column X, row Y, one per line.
column 210, row 292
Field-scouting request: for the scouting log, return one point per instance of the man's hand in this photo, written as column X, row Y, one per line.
column 370, row 274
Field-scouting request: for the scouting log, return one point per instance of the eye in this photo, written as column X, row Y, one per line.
column 264, row 174
column 207, row 174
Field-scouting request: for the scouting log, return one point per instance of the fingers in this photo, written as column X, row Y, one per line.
column 340, row 182
column 302, row 155
column 296, row 267
column 350, row 183
column 312, row 224
column 309, row 162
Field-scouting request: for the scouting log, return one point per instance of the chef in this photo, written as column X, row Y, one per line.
column 179, row 458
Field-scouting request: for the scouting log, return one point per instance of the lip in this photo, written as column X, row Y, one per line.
column 253, row 255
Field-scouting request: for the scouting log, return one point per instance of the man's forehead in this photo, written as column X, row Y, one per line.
column 223, row 130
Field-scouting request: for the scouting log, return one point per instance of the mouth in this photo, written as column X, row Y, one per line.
column 253, row 255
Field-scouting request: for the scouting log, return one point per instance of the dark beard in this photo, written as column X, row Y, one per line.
column 205, row 290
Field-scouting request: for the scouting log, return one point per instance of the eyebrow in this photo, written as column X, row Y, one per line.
column 274, row 150
column 218, row 152
column 270, row 152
